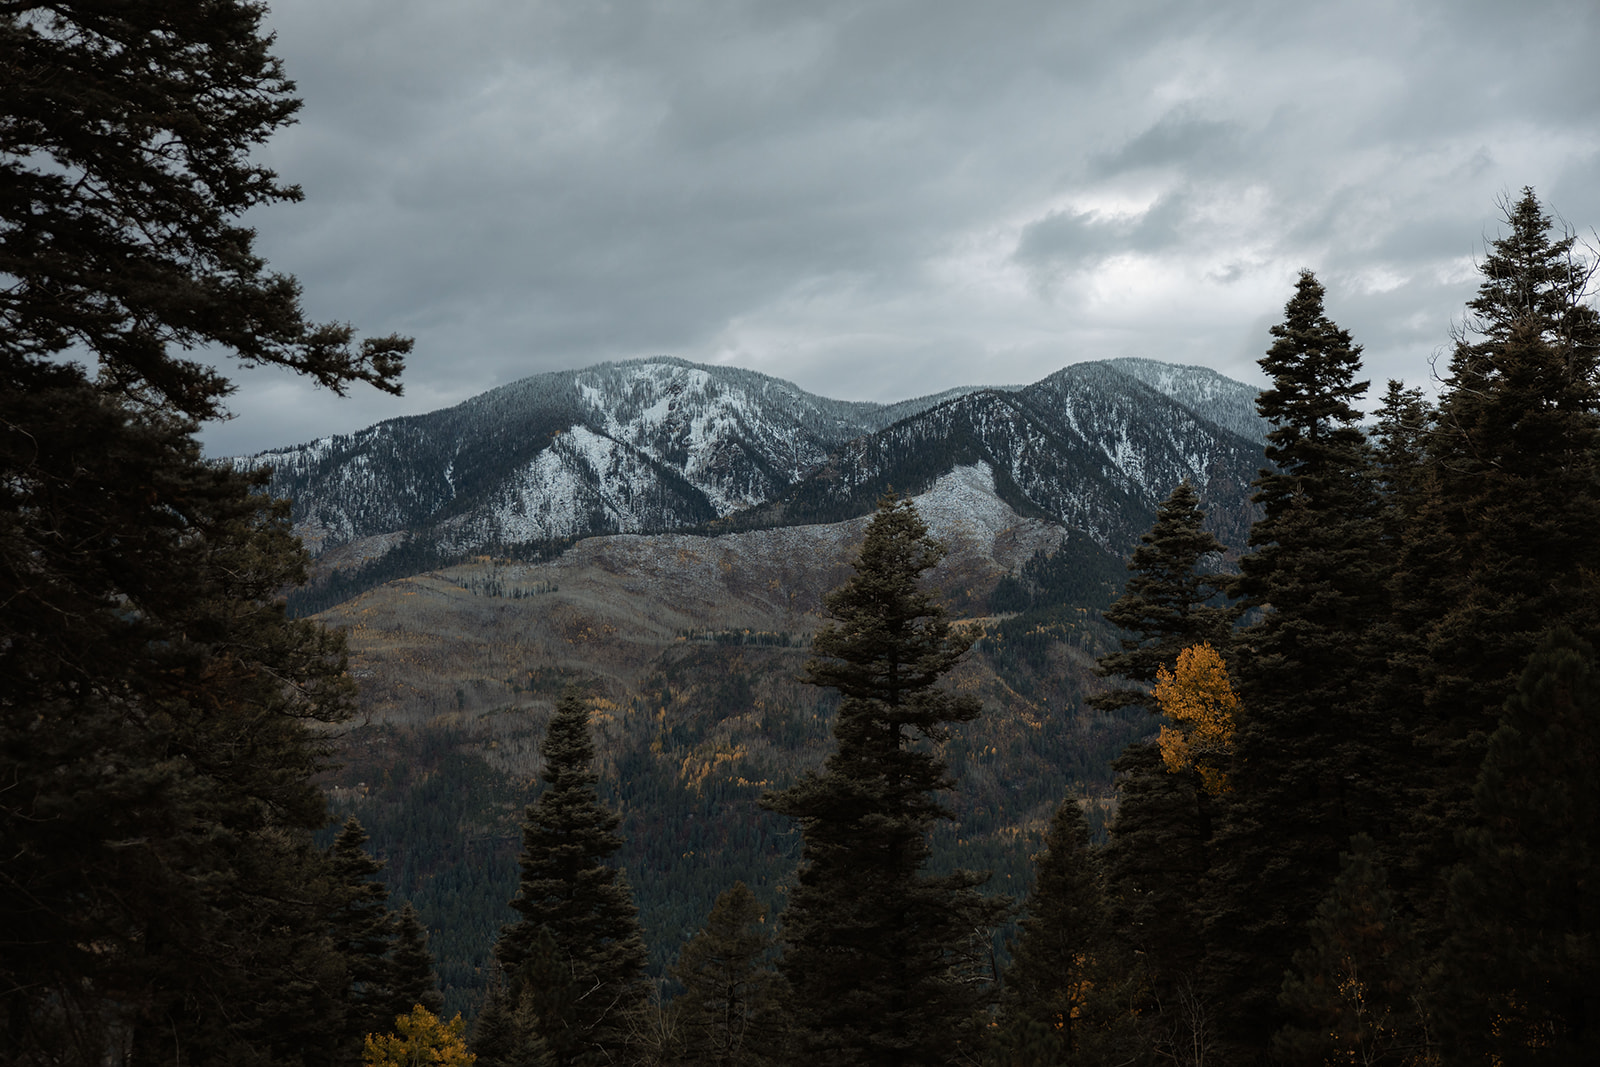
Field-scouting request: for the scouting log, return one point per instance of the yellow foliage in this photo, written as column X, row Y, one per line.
column 1199, row 699
column 420, row 1039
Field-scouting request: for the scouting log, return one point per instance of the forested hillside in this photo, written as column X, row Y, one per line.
column 690, row 647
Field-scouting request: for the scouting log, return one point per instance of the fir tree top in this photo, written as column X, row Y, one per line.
column 1312, row 363
column 1530, row 276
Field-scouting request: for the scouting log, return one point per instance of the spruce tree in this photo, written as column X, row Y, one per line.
column 1306, row 763
column 126, row 155
column 1156, row 864
column 730, row 1011
column 878, row 954
column 361, row 928
column 1157, row 856
column 157, row 841
column 574, row 962
column 1355, row 992
column 1520, row 975
column 1170, row 603
column 411, row 977
column 1503, row 547
column 156, row 893
column 1064, row 979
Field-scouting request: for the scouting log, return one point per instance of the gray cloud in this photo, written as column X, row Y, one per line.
column 880, row 197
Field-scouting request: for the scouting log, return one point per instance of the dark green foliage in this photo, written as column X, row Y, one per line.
column 574, row 961
column 1156, row 864
column 1060, row 967
column 1077, row 574
column 1505, row 547
column 731, row 1009
column 507, row 1030
column 126, row 244
column 1310, row 765
column 415, row 556
column 411, row 975
column 1354, row 994
column 1170, row 603
column 1157, row 858
column 160, row 896
column 161, row 764
column 881, row 957
column 1520, row 980
column 363, row 932
column 1404, row 420
column 420, row 792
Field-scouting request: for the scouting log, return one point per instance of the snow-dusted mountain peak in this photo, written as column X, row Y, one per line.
column 660, row 444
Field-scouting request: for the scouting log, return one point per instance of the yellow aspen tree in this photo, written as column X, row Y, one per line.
column 421, row 1039
column 1197, row 696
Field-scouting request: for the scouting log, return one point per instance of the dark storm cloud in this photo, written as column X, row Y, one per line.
column 883, row 198
column 1179, row 139
column 1085, row 238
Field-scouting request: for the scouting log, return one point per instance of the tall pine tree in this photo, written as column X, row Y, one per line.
column 730, row 1013
column 1060, row 1002
column 1156, row 859
column 1354, row 994
column 574, row 962
column 154, row 700
column 879, row 954
column 1503, row 547
column 1172, row 601
column 1304, row 774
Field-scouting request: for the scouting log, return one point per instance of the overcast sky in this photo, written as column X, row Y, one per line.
column 878, row 200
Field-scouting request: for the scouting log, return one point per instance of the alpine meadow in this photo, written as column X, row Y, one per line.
column 662, row 713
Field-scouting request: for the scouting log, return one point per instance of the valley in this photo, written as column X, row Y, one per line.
column 690, row 647
column 664, row 534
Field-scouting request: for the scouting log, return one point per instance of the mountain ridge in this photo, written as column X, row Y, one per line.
column 661, row 443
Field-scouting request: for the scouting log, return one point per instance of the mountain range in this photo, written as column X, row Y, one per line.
column 662, row 444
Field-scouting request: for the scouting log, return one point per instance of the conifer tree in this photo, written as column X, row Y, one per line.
column 730, row 1010
column 1306, row 759
column 574, row 961
column 362, row 933
column 1156, row 860
column 1355, row 992
column 159, row 894
column 878, row 954
column 1156, row 866
column 1170, row 602
column 1520, row 981
column 1062, row 979
column 1504, row 547
column 506, row 1033
column 411, row 977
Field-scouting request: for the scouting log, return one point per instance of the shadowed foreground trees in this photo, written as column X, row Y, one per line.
column 732, row 1010
column 159, row 894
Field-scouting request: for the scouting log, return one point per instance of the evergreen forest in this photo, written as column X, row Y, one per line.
column 1350, row 813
